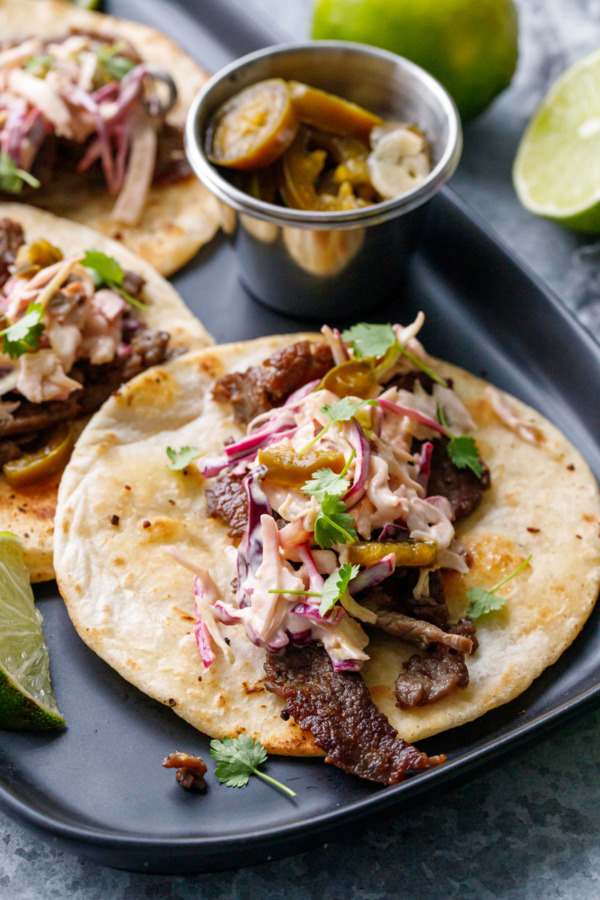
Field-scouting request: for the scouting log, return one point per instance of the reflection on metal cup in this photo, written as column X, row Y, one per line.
column 339, row 263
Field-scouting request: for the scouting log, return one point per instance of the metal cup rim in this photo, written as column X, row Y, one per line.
column 319, row 220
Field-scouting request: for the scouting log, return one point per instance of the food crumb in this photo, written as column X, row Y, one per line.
column 146, row 523
column 127, row 487
column 284, row 715
column 199, row 677
column 579, row 536
column 172, row 502
column 227, row 641
column 114, row 520
column 571, row 468
column 534, row 530
column 172, row 702
column 190, row 769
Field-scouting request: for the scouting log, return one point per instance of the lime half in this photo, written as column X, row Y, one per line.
column 557, row 168
column 26, row 697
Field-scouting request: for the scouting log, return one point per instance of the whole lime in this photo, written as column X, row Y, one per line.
column 469, row 45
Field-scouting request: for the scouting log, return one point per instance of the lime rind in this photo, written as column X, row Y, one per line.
column 556, row 172
column 26, row 697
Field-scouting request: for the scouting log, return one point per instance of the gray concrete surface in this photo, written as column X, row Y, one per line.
column 530, row 828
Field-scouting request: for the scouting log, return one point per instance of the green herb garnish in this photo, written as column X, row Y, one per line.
column 342, row 411
column 12, row 178
column 238, row 759
column 336, row 586
column 325, row 481
column 333, row 525
column 462, row 449
column 24, row 335
column 117, row 66
column 483, row 601
column 375, row 341
column 180, row 459
column 38, row 65
column 106, row 270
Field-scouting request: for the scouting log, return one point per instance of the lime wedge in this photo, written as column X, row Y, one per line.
column 26, row 698
column 557, row 168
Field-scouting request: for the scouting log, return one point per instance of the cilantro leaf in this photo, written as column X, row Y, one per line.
column 238, row 759
column 24, row 335
column 484, row 601
column 462, row 449
column 180, row 459
column 344, row 410
column 336, row 585
column 464, row 454
column 325, row 481
column 333, row 524
column 116, row 65
column 106, row 270
column 372, row 341
column 12, row 178
column 39, row 65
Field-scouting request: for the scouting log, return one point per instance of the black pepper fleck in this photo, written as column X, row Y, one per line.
column 534, row 530
column 146, row 523
column 571, row 468
column 172, row 702
column 227, row 641
column 284, row 715
column 114, row 520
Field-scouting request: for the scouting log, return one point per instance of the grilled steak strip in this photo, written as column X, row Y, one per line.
column 461, row 487
column 337, row 709
column 426, row 679
column 396, row 594
column 11, row 238
column 98, row 382
column 417, row 631
column 226, row 499
column 260, row 388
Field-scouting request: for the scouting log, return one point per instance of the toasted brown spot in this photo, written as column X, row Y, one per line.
column 534, row 530
column 119, row 561
column 145, row 524
column 257, row 688
column 114, row 520
column 172, row 702
column 571, row 468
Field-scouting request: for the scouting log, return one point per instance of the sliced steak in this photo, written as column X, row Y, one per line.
column 426, row 679
column 417, row 631
column 396, row 594
column 227, row 499
column 260, row 388
column 405, row 381
column 98, row 382
column 461, row 487
column 134, row 284
column 148, row 348
column 11, row 238
column 337, row 709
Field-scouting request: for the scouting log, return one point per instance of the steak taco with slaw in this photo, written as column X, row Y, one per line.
column 327, row 542
column 79, row 314
column 91, row 127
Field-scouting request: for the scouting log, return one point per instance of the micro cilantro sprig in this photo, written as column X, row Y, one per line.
column 12, row 178
column 106, row 270
column 238, row 759
column 115, row 64
column 462, row 449
column 484, row 601
column 24, row 335
column 377, row 341
column 334, row 588
column 326, row 481
column 333, row 524
column 342, row 411
column 181, row 459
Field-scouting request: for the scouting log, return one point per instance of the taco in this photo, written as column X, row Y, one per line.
column 69, row 336
column 334, row 501
column 93, row 109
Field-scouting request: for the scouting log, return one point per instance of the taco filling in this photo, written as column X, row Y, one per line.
column 89, row 103
column 342, row 499
column 70, row 334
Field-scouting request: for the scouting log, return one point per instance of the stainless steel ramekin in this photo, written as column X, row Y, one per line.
column 330, row 264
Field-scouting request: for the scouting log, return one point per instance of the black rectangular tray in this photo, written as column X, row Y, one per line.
column 97, row 787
